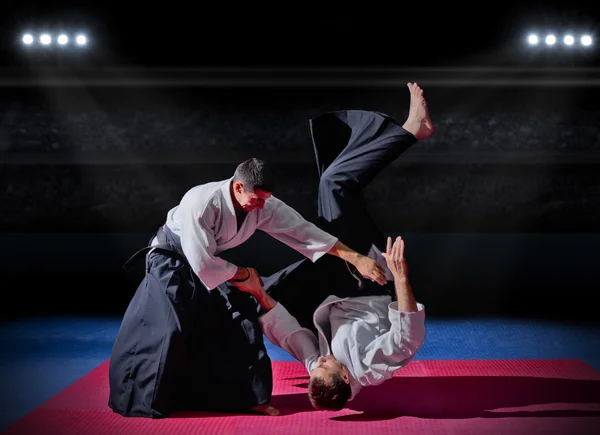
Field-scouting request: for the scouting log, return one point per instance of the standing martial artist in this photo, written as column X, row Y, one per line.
column 188, row 339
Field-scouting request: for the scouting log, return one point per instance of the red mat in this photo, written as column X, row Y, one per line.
column 426, row 397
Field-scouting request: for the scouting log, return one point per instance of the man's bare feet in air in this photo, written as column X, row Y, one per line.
column 418, row 122
column 264, row 409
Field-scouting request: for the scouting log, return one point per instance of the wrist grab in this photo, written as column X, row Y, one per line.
column 242, row 280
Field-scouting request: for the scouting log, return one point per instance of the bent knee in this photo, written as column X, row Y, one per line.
column 332, row 180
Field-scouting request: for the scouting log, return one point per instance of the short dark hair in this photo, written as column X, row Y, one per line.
column 332, row 396
column 255, row 175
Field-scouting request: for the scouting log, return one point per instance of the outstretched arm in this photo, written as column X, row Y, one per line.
column 285, row 224
column 365, row 265
column 396, row 347
column 266, row 302
column 283, row 330
column 394, row 257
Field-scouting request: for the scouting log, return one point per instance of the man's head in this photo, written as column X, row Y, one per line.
column 252, row 185
column 329, row 385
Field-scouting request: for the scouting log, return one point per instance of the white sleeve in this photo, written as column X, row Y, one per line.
column 283, row 330
column 199, row 246
column 397, row 347
column 288, row 226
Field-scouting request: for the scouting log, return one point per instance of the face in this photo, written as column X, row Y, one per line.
column 250, row 200
column 328, row 366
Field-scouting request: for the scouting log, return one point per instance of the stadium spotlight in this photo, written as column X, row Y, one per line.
column 532, row 39
column 60, row 39
column 45, row 39
column 569, row 39
column 81, row 40
column 27, row 39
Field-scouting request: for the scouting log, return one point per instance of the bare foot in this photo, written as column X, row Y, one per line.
column 418, row 122
column 264, row 409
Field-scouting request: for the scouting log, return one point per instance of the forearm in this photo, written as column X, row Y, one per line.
column 283, row 330
column 344, row 252
column 265, row 301
column 404, row 294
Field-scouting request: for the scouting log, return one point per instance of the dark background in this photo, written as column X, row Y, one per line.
column 500, row 208
column 322, row 33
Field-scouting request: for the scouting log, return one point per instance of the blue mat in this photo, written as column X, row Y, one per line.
column 42, row 356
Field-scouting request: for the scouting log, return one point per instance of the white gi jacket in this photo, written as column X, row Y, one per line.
column 367, row 334
column 206, row 223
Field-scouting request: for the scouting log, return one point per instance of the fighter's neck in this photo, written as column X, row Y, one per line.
column 236, row 204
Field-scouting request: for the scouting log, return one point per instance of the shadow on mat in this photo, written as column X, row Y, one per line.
column 475, row 397
column 456, row 397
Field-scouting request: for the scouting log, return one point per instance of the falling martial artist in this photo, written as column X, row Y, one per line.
column 348, row 332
